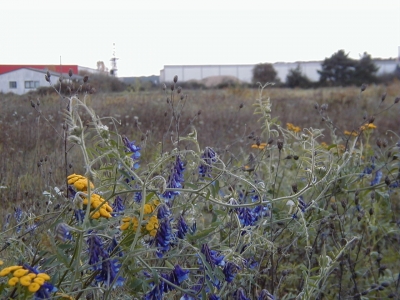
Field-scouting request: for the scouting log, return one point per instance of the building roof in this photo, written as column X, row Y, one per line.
column 54, row 68
column 52, row 73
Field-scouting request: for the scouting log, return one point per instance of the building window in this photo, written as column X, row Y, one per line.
column 31, row 84
column 13, row 84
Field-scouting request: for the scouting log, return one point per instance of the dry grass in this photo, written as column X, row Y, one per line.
column 32, row 145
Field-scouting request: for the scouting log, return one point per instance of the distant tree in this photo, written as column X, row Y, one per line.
column 337, row 70
column 296, row 78
column 264, row 73
column 365, row 71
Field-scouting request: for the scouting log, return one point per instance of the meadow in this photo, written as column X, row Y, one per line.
column 234, row 193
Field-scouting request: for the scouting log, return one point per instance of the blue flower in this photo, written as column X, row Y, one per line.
column 108, row 273
column 63, row 232
column 367, row 170
column 213, row 257
column 377, row 178
column 251, row 263
column 138, row 197
column 182, row 227
column 213, row 297
column 118, row 206
column 230, row 270
column 155, row 294
column 79, row 215
column 245, row 216
column 18, row 217
column 240, row 294
column 265, row 295
column 96, row 251
column 113, row 247
column 163, row 237
column 302, row 205
column 175, row 179
column 178, row 275
column 209, row 157
column 135, row 150
column 163, row 212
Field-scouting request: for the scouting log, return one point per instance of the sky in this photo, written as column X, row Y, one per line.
column 149, row 34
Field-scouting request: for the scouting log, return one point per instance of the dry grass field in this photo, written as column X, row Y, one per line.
column 31, row 138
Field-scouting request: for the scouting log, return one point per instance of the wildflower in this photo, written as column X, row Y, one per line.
column 163, row 212
column 137, row 197
column 293, row 128
column 118, row 206
column 132, row 148
column 163, row 237
column 367, row 126
column 79, row 182
column 212, row 256
column 63, row 232
column 178, row 275
column 175, row 179
column 79, row 215
column 127, row 221
column 213, row 297
column 367, row 170
column 302, row 205
column 182, row 227
column 246, row 218
column 108, row 273
column 96, row 251
column 265, row 295
column 261, row 146
column 209, row 157
column 240, row 294
column 230, row 270
column 100, row 207
column 377, row 178
column 351, row 133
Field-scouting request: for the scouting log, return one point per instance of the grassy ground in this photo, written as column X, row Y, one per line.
column 31, row 138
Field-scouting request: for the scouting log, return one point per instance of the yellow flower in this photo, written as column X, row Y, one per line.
column 149, row 226
column 352, row 133
column 31, row 275
column 95, row 202
column 95, row 215
column 34, row 287
column 80, row 182
column 13, row 281
column 125, row 225
column 8, row 270
column 261, row 146
column 1, row 262
column 44, row 276
column 148, row 209
column 39, row 280
column 293, row 128
column 153, row 232
column 367, row 126
column 25, row 280
column 64, row 296
column 104, row 213
column 20, row 273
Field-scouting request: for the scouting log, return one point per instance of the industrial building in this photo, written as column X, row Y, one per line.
column 244, row 73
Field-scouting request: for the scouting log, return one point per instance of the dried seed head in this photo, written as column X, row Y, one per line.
column 175, row 78
column 270, row 141
column 294, row 188
column 199, row 112
column 363, row 87
column 371, row 119
column 280, row 144
column 397, row 100
column 182, row 97
column 316, row 106
column 295, row 157
column 383, row 97
column 324, row 106
column 47, row 78
column 387, row 181
column 33, row 104
column 241, row 105
column 85, row 79
column 379, row 142
column 371, row 211
column 384, row 143
column 258, row 141
column 179, row 90
column 70, row 73
column 164, row 87
column 172, row 87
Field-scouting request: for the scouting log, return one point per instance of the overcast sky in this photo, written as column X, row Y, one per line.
column 150, row 34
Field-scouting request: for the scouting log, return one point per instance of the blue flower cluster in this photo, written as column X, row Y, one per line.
column 99, row 260
column 163, row 237
column 377, row 178
column 132, row 148
column 118, row 206
column 209, row 157
column 177, row 276
column 175, row 179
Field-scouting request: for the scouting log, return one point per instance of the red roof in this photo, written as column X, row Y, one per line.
column 54, row 68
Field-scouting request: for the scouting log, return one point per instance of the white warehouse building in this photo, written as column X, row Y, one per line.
column 245, row 72
column 25, row 80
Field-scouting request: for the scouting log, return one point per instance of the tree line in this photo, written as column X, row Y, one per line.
column 337, row 70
